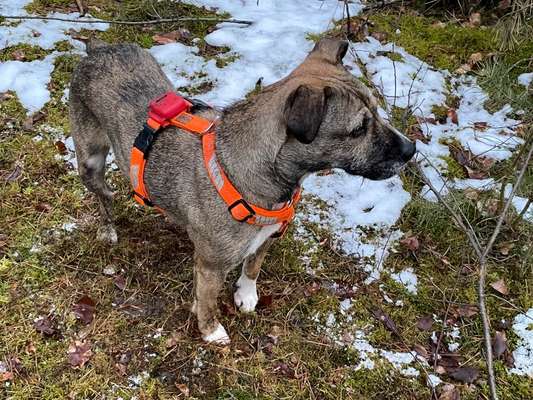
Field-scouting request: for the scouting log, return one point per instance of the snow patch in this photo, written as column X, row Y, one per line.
column 523, row 354
column 525, row 79
column 407, row 278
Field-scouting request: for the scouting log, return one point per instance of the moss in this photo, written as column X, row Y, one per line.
column 454, row 170
column 28, row 52
column 443, row 47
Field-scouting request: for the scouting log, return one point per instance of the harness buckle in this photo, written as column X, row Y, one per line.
column 241, row 214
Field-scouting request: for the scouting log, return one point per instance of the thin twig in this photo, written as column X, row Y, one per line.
column 120, row 22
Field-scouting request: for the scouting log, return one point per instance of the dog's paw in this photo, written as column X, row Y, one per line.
column 107, row 234
column 246, row 294
column 218, row 336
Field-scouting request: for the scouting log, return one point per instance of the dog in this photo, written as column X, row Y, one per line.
column 318, row 117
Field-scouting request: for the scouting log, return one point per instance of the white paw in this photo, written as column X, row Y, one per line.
column 107, row 233
column 246, row 295
column 218, row 336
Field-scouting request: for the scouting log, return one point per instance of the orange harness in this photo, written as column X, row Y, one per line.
column 173, row 110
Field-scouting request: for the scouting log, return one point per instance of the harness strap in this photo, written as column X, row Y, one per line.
column 172, row 110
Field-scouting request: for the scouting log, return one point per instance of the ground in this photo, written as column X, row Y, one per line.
column 347, row 309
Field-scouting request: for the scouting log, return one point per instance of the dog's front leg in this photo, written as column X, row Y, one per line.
column 245, row 296
column 208, row 281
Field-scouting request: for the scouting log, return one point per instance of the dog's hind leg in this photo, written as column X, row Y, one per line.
column 92, row 147
column 245, row 296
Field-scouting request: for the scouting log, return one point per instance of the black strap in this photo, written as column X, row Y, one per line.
column 145, row 139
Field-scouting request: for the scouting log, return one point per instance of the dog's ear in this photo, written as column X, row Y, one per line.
column 332, row 50
column 304, row 111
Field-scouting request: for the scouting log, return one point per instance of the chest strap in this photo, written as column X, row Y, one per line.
column 172, row 110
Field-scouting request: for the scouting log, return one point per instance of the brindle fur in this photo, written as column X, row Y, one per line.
column 316, row 118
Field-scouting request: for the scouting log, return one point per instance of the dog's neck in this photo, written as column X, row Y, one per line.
column 247, row 146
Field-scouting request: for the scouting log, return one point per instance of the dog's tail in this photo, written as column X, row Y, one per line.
column 93, row 44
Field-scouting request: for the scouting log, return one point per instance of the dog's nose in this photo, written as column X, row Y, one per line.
column 407, row 149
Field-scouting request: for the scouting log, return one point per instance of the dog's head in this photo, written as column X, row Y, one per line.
column 332, row 120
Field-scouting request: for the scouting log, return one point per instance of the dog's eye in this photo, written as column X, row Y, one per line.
column 361, row 129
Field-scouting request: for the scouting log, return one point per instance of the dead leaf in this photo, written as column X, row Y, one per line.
column 183, row 388
column 475, row 19
column 421, row 351
column 415, row 133
column 34, row 33
column 500, row 286
column 284, row 369
column 79, row 353
column 6, row 376
column 471, row 194
column 84, row 309
column 449, row 392
column 499, row 344
column 438, row 24
column 13, row 175
column 452, row 114
column 45, row 326
column 166, row 38
column 480, row 126
column 173, row 340
column 30, row 348
column 61, row 147
column 463, row 69
column 43, row 207
column 380, row 36
column 467, row 310
column 121, row 369
column 18, row 55
column 425, row 323
column 265, row 301
column 505, row 248
column 411, row 242
column 387, row 322
column 27, row 125
column 227, row 309
column 120, row 282
column 474, row 59
column 311, row 289
column 465, row 374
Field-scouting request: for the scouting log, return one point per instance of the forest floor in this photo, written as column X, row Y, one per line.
column 371, row 294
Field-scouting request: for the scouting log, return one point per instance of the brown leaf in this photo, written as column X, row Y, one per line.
column 475, row 19
column 45, row 326
column 84, row 309
column 227, row 309
column 500, row 286
column 173, row 340
column 311, row 289
column 415, row 133
column 380, row 36
column 499, row 344
column 284, row 369
column 120, row 282
column 480, row 126
column 34, row 33
column 30, row 348
column 43, row 207
column 387, row 322
column 27, row 125
column 449, row 392
column 421, row 351
column 13, row 175
column 183, row 388
column 475, row 58
column 61, row 147
column 465, row 374
column 467, row 310
column 19, row 55
column 463, row 69
column 505, row 248
column 121, row 369
column 166, row 38
column 411, row 242
column 265, row 301
column 452, row 114
column 6, row 376
column 475, row 174
column 79, row 353
column 425, row 323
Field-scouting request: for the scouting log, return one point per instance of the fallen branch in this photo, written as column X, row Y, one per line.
column 482, row 254
column 119, row 22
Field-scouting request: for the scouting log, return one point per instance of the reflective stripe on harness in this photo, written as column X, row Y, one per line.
column 173, row 110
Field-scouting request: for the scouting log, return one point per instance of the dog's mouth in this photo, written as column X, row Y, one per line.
column 380, row 171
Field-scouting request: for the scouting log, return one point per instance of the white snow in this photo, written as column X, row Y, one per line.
column 433, row 380
column 407, row 278
column 525, row 79
column 30, row 79
column 523, row 354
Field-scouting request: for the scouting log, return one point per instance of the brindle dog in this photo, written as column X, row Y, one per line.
column 318, row 117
